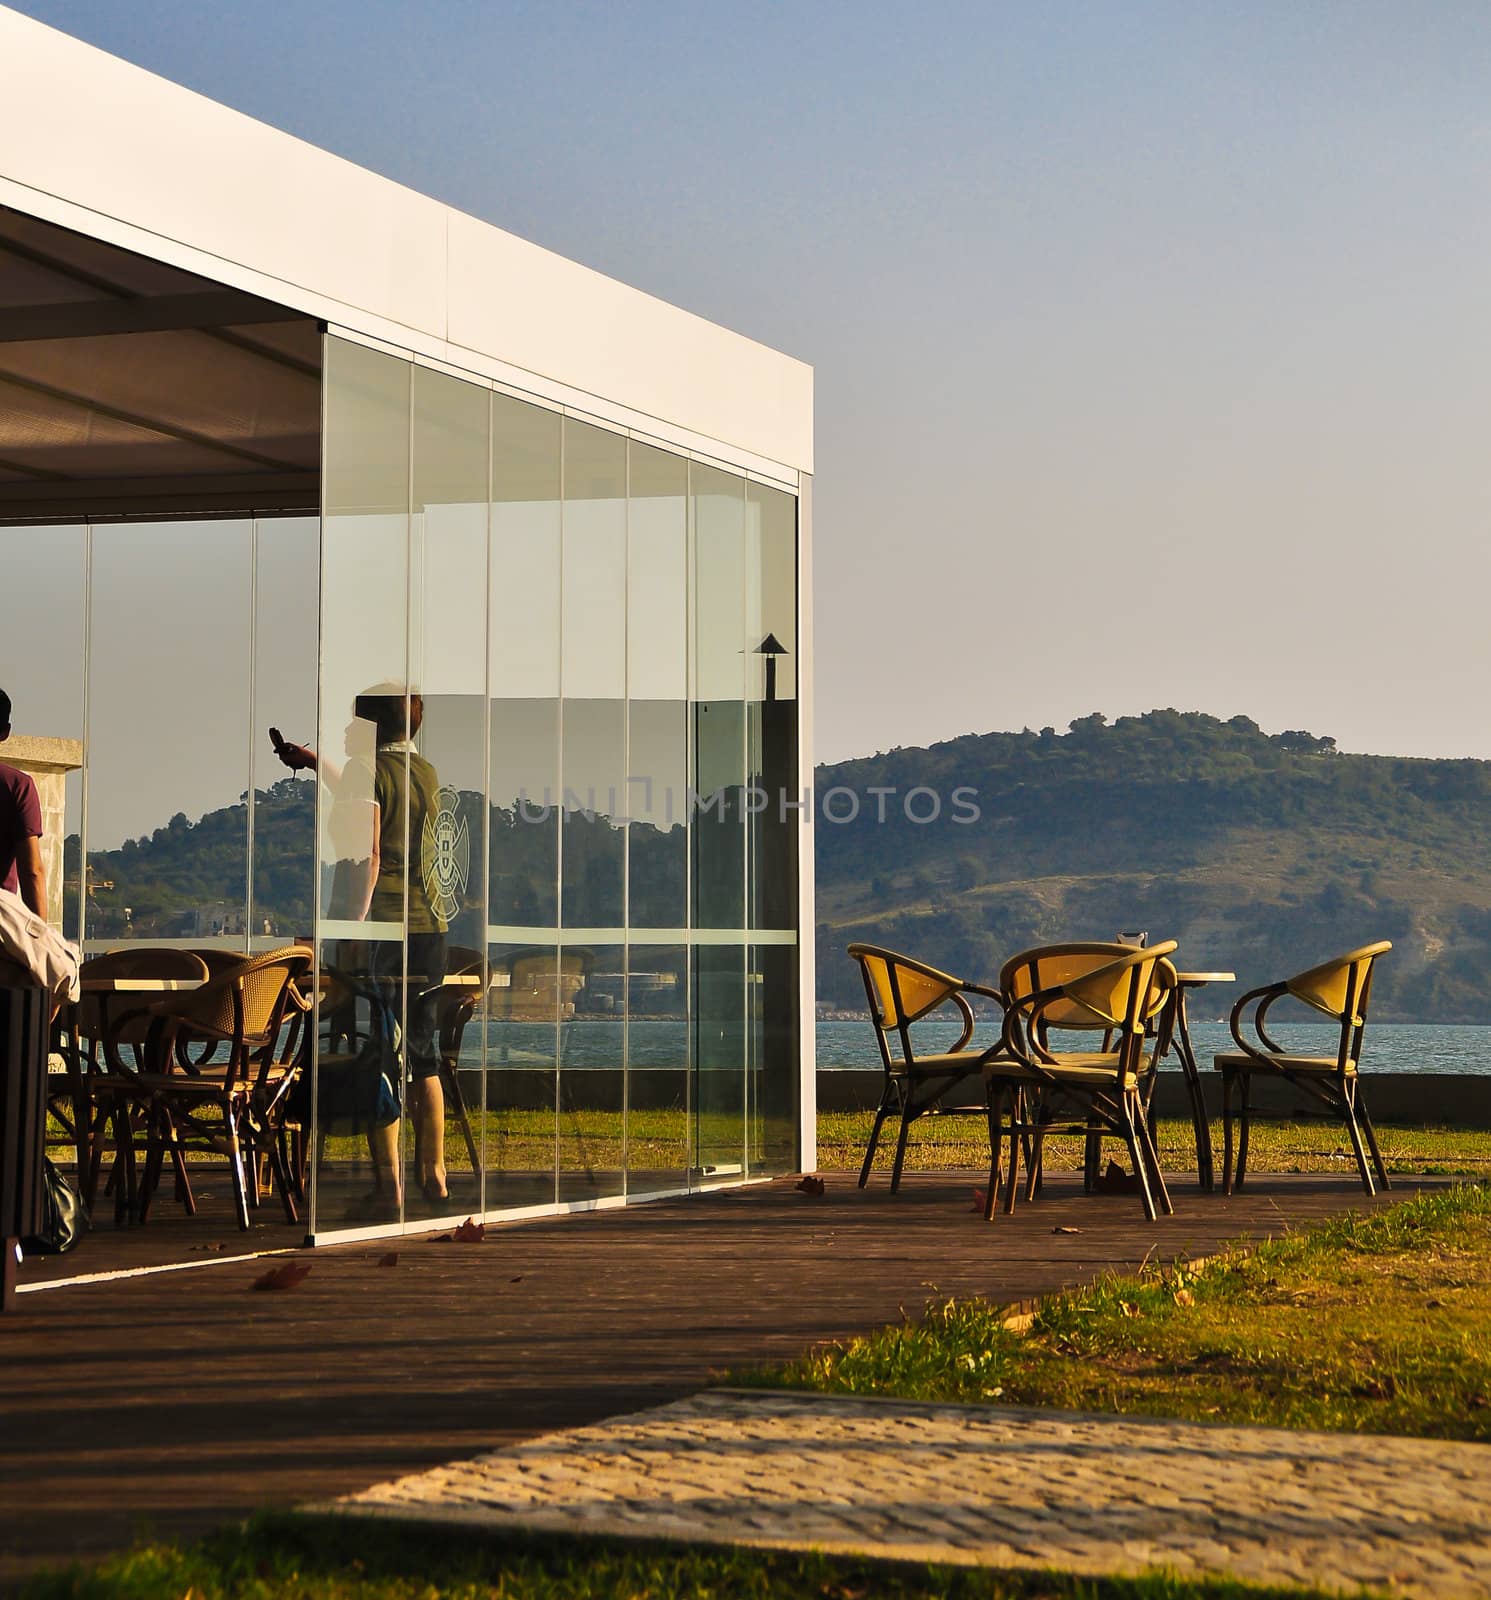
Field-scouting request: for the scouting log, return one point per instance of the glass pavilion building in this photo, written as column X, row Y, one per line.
column 286, row 446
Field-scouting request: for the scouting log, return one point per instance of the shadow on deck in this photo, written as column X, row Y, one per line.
column 174, row 1400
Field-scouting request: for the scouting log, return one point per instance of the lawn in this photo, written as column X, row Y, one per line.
column 1374, row 1323
column 304, row 1558
column 959, row 1142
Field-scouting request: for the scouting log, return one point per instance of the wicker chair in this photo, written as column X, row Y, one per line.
column 1340, row 990
column 219, row 1099
column 901, row 992
column 1114, row 990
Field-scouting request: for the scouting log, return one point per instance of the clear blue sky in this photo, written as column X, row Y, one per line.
column 1152, row 340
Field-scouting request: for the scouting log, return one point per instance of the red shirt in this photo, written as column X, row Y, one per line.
column 20, row 818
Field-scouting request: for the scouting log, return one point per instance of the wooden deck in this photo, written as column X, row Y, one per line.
column 174, row 1400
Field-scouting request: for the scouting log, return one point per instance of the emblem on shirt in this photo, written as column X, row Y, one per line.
column 445, row 854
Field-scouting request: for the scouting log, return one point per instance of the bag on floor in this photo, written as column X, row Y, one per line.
column 64, row 1217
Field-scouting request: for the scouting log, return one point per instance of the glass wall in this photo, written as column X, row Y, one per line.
column 557, row 904
column 166, row 651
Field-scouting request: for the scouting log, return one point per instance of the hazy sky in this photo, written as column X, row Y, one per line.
column 1152, row 340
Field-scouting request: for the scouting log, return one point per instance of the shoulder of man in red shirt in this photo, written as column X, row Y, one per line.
column 25, row 804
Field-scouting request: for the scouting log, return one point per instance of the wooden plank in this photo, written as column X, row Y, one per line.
column 184, row 1398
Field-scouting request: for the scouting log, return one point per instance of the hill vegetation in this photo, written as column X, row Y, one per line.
column 1261, row 853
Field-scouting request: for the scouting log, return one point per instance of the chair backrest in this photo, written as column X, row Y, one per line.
column 124, row 1016
column 901, row 991
column 456, row 1003
column 245, row 1004
column 1341, row 987
column 1119, row 995
column 1054, row 965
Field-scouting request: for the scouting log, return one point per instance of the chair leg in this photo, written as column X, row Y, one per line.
column 996, row 1095
column 864, row 1171
column 1034, row 1152
column 281, row 1174
column 1152, row 1156
column 155, row 1152
column 453, row 1097
column 178, row 1162
column 1245, row 1121
column 895, row 1171
column 1365, row 1118
column 1356, row 1140
column 1130, row 1114
column 1017, row 1130
column 1226, row 1130
column 1092, row 1156
column 235, row 1165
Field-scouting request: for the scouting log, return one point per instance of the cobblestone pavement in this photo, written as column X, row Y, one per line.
column 998, row 1486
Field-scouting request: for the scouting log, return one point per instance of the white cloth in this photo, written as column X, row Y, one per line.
column 40, row 950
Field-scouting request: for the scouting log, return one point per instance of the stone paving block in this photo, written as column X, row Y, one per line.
column 994, row 1486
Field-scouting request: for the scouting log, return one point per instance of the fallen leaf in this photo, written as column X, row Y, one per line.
column 1184, row 1297
column 1062, row 1227
column 808, row 1184
column 470, row 1232
column 518, row 1279
column 283, row 1277
column 979, row 1198
column 390, row 1260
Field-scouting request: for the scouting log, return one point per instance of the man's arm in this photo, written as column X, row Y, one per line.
column 31, row 875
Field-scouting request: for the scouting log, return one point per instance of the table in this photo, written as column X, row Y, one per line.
column 1181, row 1038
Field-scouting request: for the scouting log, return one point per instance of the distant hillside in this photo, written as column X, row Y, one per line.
column 1260, row 853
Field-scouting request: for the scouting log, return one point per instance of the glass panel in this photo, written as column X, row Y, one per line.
column 592, row 1072
column 287, row 557
column 529, row 988
column 365, row 784
column 658, row 1075
column 658, row 1044
column 718, row 823
column 720, row 1051
column 168, row 731
column 41, row 669
column 593, row 774
column 772, row 1040
column 447, row 792
column 528, row 985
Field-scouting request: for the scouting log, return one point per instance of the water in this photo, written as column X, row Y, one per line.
column 1389, row 1046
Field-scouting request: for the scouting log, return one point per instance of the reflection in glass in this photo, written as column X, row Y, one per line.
column 282, row 834
column 593, row 777
column 447, row 886
column 168, row 730
column 41, row 669
column 529, row 988
column 365, row 783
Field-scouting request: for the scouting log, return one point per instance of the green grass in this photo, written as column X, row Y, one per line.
column 1377, row 1322
column 304, row 1558
column 959, row 1142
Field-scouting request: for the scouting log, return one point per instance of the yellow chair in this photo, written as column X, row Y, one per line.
column 1116, row 990
column 902, row 992
column 1340, row 990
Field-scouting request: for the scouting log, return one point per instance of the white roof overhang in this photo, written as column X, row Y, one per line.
column 126, row 157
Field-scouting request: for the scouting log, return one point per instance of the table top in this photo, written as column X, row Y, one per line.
column 1198, row 978
column 138, row 985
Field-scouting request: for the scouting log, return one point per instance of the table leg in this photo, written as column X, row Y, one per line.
column 1199, row 1120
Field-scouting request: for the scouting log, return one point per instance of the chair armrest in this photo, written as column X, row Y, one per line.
column 1263, row 998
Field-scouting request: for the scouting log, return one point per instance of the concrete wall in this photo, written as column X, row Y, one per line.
column 48, row 761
